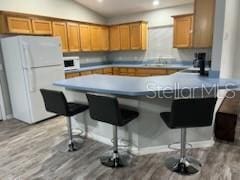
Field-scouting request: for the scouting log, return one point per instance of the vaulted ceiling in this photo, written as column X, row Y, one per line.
column 110, row 8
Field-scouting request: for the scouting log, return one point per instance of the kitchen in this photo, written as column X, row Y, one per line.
column 114, row 49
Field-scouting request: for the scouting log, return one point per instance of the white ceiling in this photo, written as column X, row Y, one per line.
column 110, row 8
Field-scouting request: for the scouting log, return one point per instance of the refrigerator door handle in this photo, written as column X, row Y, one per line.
column 27, row 67
column 31, row 80
column 26, row 59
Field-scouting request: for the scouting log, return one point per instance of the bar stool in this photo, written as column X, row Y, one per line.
column 56, row 102
column 106, row 109
column 188, row 113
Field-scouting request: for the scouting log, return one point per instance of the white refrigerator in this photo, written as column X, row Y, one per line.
column 31, row 63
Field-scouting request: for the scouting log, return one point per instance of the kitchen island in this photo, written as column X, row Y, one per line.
column 149, row 96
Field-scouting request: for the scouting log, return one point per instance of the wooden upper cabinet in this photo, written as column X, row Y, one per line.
column 42, row 27
column 203, row 23
column 85, row 38
column 73, row 37
column 114, row 38
column 124, row 37
column 183, row 31
column 105, row 38
column 138, row 36
column 60, row 30
column 19, row 25
column 96, row 42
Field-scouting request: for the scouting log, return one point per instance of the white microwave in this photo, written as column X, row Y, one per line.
column 71, row 63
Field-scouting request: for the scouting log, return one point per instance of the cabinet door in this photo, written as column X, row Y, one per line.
column 42, row 27
column 114, row 38
column 144, row 36
column 85, row 38
column 108, row 71
column 19, row 25
column 105, row 38
column 96, row 42
column 84, row 73
column 60, row 30
column 124, row 37
column 138, row 36
column 172, row 71
column 97, row 71
column 116, row 71
column 183, row 31
column 203, row 23
column 71, row 75
column 73, row 37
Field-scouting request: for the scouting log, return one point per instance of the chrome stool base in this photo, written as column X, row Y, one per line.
column 183, row 166
column 116, row 160
column 74, row 146
column 67, row 146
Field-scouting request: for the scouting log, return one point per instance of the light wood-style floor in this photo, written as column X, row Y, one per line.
column 32, row 152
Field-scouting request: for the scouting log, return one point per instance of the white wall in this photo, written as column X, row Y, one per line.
column 67, row 9
column 218, row 35
column 161, row 17
column 230, row 63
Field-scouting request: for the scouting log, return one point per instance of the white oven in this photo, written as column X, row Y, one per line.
column 71, row 63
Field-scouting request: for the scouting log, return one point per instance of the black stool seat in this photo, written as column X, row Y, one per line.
column 166, row 118
column 56, row 102
column 188, row 113
column 75, row 108
column 106, row 109
column 127, row 116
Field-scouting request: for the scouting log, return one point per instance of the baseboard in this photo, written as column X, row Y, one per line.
column 149, row 150
column 164, row 148
column 9, row 116
column 98, row 138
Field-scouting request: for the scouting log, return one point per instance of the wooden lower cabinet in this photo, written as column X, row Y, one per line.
column 150, row 72
column 116, row 71
column 172, row 71
column 125, row 71
column 108, row 71
column 71, row 75
column 84, row 73
column 97, row 71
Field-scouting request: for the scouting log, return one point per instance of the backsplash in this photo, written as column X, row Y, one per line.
column 160, row 45
column 89, row 57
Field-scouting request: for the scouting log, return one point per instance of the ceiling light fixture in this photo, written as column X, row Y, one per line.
column 100, row 1
column 155, row 2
